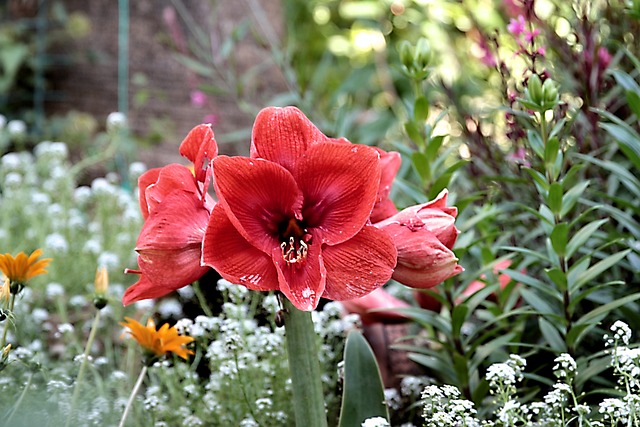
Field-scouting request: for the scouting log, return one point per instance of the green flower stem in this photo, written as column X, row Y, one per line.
column 20, row 399
column 136, row 387
column 308, row 399
column 83, row 367
column 6, row 325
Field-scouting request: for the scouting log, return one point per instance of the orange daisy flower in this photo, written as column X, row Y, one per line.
column 23, row 268
column 161, row 341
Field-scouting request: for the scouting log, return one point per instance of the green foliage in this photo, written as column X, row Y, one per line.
column 363, row 395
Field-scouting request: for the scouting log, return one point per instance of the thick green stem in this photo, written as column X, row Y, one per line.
column 308, row 399
column 83, row 367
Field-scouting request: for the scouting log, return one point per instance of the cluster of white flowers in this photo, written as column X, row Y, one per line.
column 559, row 407
column 443, row 406
column 565, row 366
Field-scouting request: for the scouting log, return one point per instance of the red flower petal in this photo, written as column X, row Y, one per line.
column 389, row 164
column 377, row 307
column 303, row 284
column 170, row 178
column 359, row 265
column 282, row 135
column 339, row 183
column 143, row 289
column 144, row 181
column 234, row 258
column 178, row 222
column 440, row 202
column 383, row 210
column 200, row 147
column 258, row 197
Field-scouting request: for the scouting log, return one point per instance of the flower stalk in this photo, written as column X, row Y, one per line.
column 308, row 399
column 132, row 396
column 83, row 367
column 6, row 325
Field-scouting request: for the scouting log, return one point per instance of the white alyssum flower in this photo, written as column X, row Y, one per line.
column 16, row 128
column 565, row 366
column 375, row 422
column 116, row 120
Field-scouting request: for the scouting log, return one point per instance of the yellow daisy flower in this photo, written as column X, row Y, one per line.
column 23, row 268
column 161, row 341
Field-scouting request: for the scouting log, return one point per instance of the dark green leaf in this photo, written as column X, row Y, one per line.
column 559, row 237
column 558, row 277
column 582, row 235
column 363, row 395
column 598, row 268
column 571, row 197
column 552, row 335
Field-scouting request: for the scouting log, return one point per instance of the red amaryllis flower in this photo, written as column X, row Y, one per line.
column 297, row 222
column 377, row 307
column 283, row 135
column 176, row 208
column 424, row 236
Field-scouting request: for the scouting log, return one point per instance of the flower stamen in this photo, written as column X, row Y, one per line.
column 293, row 253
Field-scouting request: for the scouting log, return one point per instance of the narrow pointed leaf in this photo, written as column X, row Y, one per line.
column 363, row 390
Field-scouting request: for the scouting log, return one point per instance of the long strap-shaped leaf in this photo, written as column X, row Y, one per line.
column 363, row 395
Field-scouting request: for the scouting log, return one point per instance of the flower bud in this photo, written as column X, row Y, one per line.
column 101, row 285
column 534, row 90
column 415, row 60
column 550, row 93
column 424, row 235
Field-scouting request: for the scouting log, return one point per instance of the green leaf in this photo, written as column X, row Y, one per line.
column 559, row 237
column 195, row 66
column 558, row 277
column 434, row 146
column 598, row 268
column 458, row 317
column 363, row 395
column 421, row 109
column 536, row 143
column 633, row 99
column 539, row 179
column 541, row 305
column 551, row 151
column 539, row 285
column 594, row 315
column 627, row 178
column 571, row 197
column 421, row 163
column 582, row 235
column 627, row 138
column 414, row 133
column 552, row 335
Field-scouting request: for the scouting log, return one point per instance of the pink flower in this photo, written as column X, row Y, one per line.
column 176, row 208
column 294, row 217
column 517, row 26
column 604, row 58
column 198, row 98
column 530, row 35
column 424, row 236
column 377, row 307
